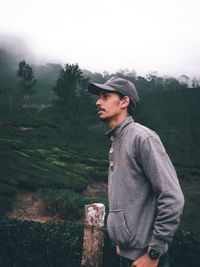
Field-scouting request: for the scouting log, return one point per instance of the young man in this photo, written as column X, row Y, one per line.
column 145, row 198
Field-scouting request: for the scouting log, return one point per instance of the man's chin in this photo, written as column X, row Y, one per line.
column 103, row 119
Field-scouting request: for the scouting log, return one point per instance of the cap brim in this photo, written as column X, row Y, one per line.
column 95, row 88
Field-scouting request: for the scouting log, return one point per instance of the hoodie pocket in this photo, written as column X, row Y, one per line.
column 117, row 228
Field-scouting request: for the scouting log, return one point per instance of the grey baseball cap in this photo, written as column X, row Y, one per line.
column 116, row 84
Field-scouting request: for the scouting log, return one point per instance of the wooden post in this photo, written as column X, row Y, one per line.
column 93, row 240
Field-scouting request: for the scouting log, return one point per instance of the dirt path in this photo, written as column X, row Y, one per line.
column 25, row 207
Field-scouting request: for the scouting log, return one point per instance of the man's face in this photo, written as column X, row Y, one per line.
column 109, row 105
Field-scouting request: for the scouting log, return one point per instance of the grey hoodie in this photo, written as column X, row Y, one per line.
column 145, row 198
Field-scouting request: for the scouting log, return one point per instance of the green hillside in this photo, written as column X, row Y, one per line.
column 47, row 157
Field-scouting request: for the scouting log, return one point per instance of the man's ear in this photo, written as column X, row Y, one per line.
column 125, row 101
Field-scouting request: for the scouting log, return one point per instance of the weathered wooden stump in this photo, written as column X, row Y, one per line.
column 93, row 240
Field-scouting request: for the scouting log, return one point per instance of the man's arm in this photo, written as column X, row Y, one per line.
column 170, row 201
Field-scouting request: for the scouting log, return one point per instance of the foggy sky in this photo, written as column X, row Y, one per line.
column 144, row 35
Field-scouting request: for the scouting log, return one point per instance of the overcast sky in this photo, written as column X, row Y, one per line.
column 145, row 35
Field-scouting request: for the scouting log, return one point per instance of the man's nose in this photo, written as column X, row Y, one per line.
column 98, row 102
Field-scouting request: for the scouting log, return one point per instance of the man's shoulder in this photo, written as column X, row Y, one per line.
column 138, row 130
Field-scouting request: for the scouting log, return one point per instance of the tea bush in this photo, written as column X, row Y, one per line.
column 31, row 244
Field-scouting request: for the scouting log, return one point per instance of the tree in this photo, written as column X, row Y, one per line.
column 196, row 82
column 70, row 85
column 27, row 82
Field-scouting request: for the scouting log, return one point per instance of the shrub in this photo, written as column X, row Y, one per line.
column 64, row 204
column 31, row 244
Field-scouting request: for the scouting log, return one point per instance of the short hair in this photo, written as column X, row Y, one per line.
column 130, row 107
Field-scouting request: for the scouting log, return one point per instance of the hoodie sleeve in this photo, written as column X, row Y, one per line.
column 170, row 201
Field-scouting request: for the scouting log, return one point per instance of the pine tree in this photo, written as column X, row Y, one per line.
column 70, row 85
column 27, row 82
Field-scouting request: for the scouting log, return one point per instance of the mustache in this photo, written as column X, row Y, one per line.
column 100, row 109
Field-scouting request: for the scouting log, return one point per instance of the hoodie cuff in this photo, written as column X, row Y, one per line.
column 159, row 245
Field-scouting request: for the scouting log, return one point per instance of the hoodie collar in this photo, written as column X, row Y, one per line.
column 119, row 127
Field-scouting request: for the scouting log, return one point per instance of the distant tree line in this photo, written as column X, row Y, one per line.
column 151, row 83
column 22, row 84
